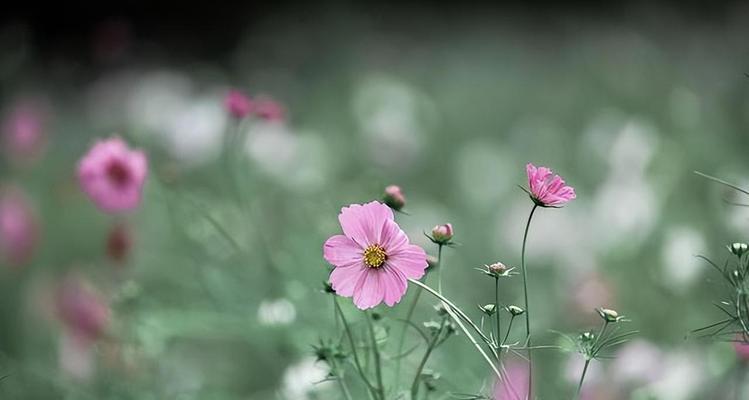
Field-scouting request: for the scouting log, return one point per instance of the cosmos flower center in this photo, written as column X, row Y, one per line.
column 118, row 173
column 374, row 256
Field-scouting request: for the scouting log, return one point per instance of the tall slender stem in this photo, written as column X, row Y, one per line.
column 376, row 352
column 339, row 377
column 439, row 268
column 582, row 378
column 350, row 336
column 496, row 308
column 525, row 295
column 417, row 377
column 509, row 328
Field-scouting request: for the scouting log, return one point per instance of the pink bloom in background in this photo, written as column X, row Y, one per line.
column 238, row 104
column 742, row 349
column 18, row 228
column 269, row 110
column 82, row 310
column 373, row 258
column 547, row 189
column 394, row 197
column 514, row 385
column 112, row 175
column 23, row 132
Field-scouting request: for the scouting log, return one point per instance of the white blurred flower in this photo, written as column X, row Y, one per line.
column 680, row 266
column 638, row 361
column 76, row 358
column 682, row 375
column 483, row 173
column 574, row 368
column 392, row 117
column 276, row 312
column 625, row 211
column 633, row 149
column 156, row 98
column 301, row 379
column 196, row 130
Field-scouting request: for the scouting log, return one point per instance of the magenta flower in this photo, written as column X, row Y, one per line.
column 112, row 175
column 18, row 228
column 373, row 258
column 238, row 104
column 547, row 189
column 514, row 385
column 742, row 349
column 82, row 310
column 268, row 109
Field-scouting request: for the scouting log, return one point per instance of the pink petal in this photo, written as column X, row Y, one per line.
column 411, row 260
column 395, row 285
column 344, row 280
column 363, row 223
column 392, row 237
column 341, row 251
column 369, row 290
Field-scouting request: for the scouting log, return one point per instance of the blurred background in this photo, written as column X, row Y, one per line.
column 204, row 293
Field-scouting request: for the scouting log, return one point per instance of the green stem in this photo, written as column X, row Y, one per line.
column 376, row 352
column 350, row 336
column 339, row 377
column 525, row 295
column 432, row 345
column 496, row 308
column 509, row 328
column 582, row 378
column 439, row 268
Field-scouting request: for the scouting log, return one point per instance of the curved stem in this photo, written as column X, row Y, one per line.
column 432, row 345
column 350, row 336
column 582, row 378
column 509, row 328
column 376, row 352
column 525, row 295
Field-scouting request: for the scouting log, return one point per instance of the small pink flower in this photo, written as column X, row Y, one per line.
column 394, row 197
column 112, row 175
column 514, row 383
column 442, row 233
column 24, row 135
column 238, row 104
column 547, row 189
column 18, row 228
column 373, row 258
column 742, row 349
column 269, row 110
column 82, row 310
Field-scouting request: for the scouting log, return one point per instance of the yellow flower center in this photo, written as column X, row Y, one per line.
column 374, row 256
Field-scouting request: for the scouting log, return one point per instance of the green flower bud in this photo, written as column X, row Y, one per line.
column 515, row 310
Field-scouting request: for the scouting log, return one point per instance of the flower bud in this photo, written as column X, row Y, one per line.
column 515, row 310
column 488, row 309
column 442, row 234
column 237, row 104
column 498, row 268
column 738, row 249
column 586, row 337
column 609, row 315
column 394, row 197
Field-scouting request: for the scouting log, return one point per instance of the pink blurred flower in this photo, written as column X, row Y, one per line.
column 268, row 109
column 514, row 385
column 23, row 131
column 82, row 310
column 742, row 349
column 442, row 233
column 394, row 197
column 547, row 189
column 238, row 104
column 373, row 257
column 112, row 175
column 18, row 228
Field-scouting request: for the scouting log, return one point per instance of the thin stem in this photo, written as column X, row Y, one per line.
column 451, row 312
column 350, row 337
column 496, row 307
column 722, row 182
column 525, row 295
column 509, row 328
column 339, row 377
column 432, row 345
column 439, row 268
column 376, row 352
column 582, row 378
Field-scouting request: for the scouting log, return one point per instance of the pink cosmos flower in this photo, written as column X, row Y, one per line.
column 24, row 134
column 373, row 258
column 269, row 110
column 238, row 104
column 82, row 310
column 547, row 189
column 18, row 228
column 112, row 175
column 514, row 386
column 742, row 349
